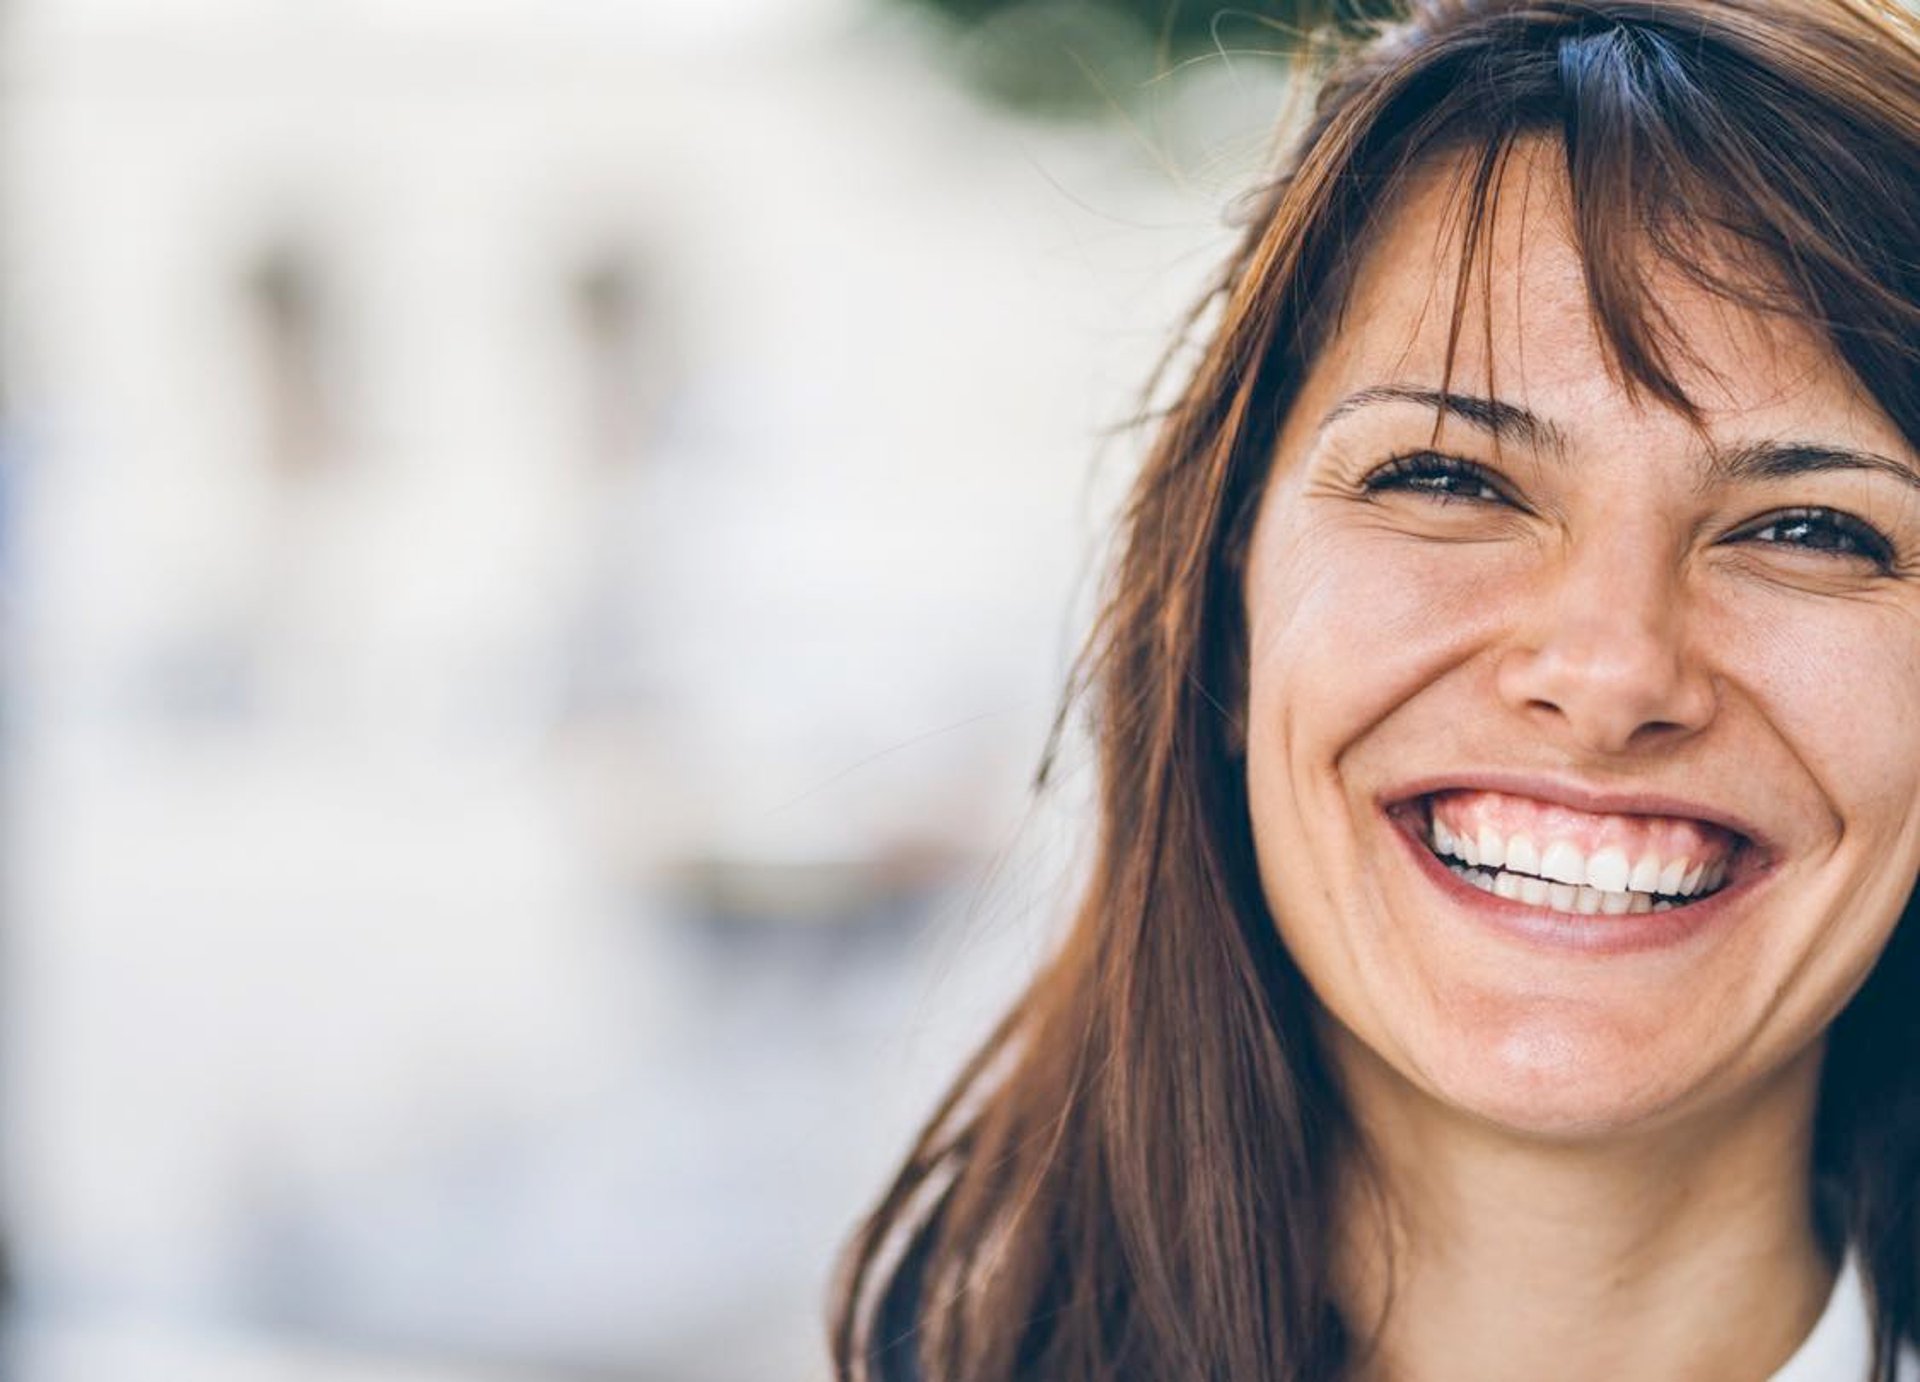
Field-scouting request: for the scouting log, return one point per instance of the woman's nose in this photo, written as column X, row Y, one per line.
column 1601, row 656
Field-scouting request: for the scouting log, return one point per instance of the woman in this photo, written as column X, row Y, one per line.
column 1508, row 706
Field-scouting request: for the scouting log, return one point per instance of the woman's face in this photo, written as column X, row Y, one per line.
column 1585, row 772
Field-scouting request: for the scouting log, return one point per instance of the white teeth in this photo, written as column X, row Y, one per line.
column 1562, row 897
column 1608, row 871
column 1566, row 880
column 1563, row 864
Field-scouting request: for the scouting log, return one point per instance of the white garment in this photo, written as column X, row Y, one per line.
column 1840, row 1348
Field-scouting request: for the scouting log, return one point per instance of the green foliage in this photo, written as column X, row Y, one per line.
column 1077, row 56
column 1191, row 23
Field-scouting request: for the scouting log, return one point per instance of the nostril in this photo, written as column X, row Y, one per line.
column 1607, row 676
column 1617, row 715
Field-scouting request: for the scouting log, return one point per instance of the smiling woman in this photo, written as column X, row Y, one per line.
column 1500, row 957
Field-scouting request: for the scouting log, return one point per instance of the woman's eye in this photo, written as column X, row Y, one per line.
column 1822, row 530
column 1443, row 477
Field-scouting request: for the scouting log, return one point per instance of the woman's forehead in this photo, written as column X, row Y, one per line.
column 1528, row 329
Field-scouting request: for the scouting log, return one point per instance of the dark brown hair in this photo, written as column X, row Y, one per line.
column 1132, row 1179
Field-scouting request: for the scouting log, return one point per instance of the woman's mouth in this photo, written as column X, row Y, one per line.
column 1546, row 855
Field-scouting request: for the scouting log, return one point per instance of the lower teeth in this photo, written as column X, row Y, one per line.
column 1559, row 897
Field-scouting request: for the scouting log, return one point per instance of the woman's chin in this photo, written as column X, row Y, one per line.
column 1557, row 1075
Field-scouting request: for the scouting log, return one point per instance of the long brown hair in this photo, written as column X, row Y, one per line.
column 1132, row 1179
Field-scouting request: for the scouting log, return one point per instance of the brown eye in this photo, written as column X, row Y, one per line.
column 1445, row 478
column 1822, row 530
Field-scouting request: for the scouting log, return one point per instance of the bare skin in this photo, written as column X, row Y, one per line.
column 1692, row 1255
column 1597, row 1166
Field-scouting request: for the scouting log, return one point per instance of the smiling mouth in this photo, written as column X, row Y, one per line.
column 1542, row 854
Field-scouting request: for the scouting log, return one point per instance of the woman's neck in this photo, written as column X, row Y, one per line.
column 1690, row 1252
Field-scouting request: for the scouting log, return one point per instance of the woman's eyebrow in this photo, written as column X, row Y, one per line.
column 1747, row 461
column 1499, row 419
column 1776, row 460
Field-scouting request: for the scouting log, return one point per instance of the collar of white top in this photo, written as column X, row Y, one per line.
column 1840, row 1349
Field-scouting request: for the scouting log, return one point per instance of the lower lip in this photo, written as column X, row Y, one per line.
column 1598, row 934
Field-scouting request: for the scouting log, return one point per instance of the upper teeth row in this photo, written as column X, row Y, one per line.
column 1608, row 869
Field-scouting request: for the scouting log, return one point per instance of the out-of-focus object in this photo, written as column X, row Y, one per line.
column 1102, row 57
column 545, row 540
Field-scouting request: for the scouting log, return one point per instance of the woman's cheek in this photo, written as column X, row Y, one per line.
column 1363, row 620
column 1837, row 679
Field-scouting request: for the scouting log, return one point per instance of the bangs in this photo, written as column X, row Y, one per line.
column 1685, row 158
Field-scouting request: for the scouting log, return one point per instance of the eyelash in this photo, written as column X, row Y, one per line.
column 1838, row 533
column 1845, row 535
column 1414, row 472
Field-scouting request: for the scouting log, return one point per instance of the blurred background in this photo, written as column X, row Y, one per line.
column 539, row 541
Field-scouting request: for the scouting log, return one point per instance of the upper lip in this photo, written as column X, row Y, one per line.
column 1581, row 796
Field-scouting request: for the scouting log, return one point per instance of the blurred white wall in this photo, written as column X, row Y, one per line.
column 542, row 544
